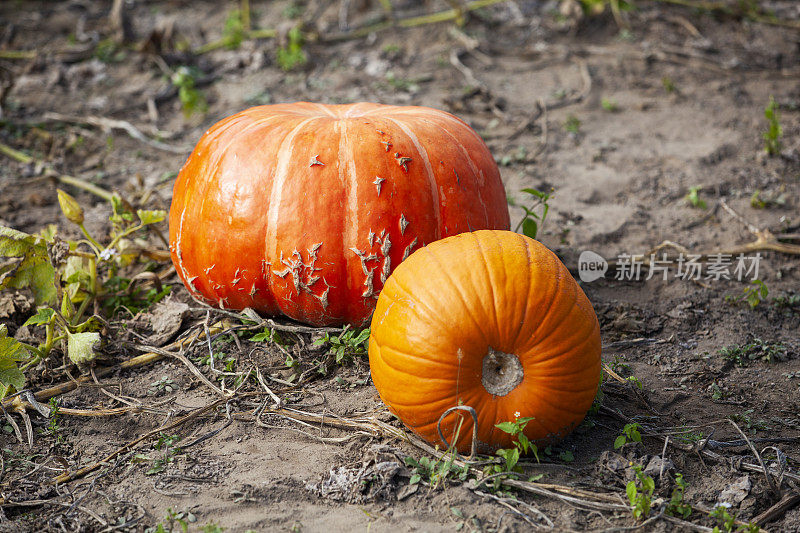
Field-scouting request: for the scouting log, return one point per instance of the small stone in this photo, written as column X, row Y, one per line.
column 736, row 492
column 654, row 467
column 406, row 491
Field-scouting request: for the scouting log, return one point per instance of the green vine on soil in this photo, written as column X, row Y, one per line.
column 67, row 280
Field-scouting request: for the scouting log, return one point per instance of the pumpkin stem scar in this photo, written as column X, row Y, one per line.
column 501, row 372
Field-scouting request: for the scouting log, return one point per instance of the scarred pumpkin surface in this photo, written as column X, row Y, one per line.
column 491, row 320
column 305, row 209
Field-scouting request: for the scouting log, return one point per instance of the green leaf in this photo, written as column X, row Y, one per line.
column 76, row 270
column 48, row 233
column 233, row 33
column 503, row 452
column 620, row 442
column 320, row 342
column 415, row 478
column 42, row 316
column 362, row 336
column 507, row 427
column 761, row 287
column 71, row 290
column 90, row 324
column 80, row 346
column 157, row 468
column 512, row 459
column 12, row 377
column 67, row 309
column 340, row 355
column 34, row 271
column 630, row 490
column 11, row 351
column 536, row 193
column 151, row 217
column 292, row 54
column 524, row 443
column 10, row 348
column 121, row 210
column 535, row 451
column 116, row 202
column 530, row 228
column 15, row 243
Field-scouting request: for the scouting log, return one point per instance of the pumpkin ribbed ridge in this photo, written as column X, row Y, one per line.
column 432, row 186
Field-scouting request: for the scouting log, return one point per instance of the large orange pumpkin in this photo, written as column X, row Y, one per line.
column 305, row 209
column 491, row 320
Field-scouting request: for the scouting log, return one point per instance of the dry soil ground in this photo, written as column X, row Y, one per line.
column 621, row 122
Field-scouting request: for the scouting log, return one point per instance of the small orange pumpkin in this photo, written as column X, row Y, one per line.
column 491, row 320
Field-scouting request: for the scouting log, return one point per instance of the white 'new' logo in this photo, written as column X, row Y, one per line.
column 591, row 266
